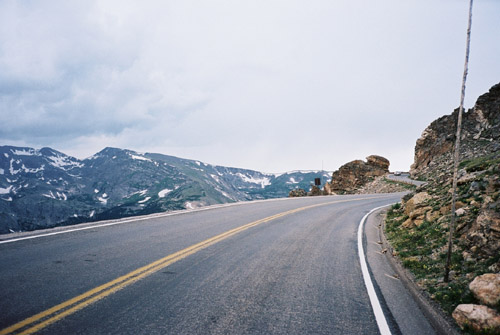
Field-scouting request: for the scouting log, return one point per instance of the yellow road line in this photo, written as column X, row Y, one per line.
column 58, row 312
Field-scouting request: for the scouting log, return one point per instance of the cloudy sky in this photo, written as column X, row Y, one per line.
column 268, row 85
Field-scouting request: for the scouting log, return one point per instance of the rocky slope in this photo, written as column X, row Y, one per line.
column 383, row 184
column 45, row 188
column 418, row 229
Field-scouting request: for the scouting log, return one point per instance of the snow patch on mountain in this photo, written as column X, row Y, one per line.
column 164, row 192
column 140, row 158
column 25, row 152
column 263, row 182
column 5, row 190
column 63, row 162
column 57, row 196
column 144, row 200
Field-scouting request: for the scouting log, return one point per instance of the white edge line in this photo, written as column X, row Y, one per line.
column 377, row 309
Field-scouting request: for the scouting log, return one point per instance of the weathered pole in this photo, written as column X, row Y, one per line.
column 456, row 155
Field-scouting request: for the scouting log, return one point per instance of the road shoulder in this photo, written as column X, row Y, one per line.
column 410, row 308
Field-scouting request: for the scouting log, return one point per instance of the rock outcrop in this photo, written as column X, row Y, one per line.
column 298, row 192
column 352, row 176
column 480, row 137
column 480, row 318
column 486, row 288
column 479, row 174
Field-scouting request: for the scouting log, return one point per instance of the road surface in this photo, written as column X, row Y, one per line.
column 405, row 178
column 286, row 266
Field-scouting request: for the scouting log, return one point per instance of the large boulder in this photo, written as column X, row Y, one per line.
column 352, row 176
column 486, row 288
column 480, row 318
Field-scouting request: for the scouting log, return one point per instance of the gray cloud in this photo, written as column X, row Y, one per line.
column 269, row 85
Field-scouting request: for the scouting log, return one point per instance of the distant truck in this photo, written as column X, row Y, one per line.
column 397, row 173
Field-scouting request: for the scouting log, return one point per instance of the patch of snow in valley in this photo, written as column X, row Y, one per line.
column 92, row 214
column 143, row 192
column 145, row 200
column 164, row 192
column 57, row 196
column 103, row 200
column 188, row 205
column 5, row 190
column 263, row 182
column 6, row 155
column 225, row 194
column 50, row 195
column 96, row 191
column 2, row 171
column 292, row 181
column 8, row 199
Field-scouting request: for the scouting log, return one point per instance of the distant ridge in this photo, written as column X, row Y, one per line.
column 42, row 188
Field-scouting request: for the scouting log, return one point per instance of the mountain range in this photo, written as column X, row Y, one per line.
column 42, row 188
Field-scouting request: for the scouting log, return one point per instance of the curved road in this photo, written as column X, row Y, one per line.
column 287, row 266
column 405, row 178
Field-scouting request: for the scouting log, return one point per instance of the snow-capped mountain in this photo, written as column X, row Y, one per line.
column 42, row 188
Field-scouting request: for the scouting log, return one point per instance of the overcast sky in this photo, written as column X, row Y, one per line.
column 267, row 85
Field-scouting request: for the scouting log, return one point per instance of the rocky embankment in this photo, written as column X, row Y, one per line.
column 418, row 229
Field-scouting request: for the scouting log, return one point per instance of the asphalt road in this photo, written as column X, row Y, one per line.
column 297, row 272
column 405, row 178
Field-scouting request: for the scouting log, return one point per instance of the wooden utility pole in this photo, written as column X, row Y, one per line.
column 456, row 155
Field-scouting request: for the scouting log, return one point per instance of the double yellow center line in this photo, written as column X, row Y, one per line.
column 58, row 312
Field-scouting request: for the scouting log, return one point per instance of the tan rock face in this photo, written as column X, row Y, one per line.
column 479, row 318
column 485, row 232
column 486, row 288
column 378, row 161
column 354, row 175
column 417, row 201
column 433, row 150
